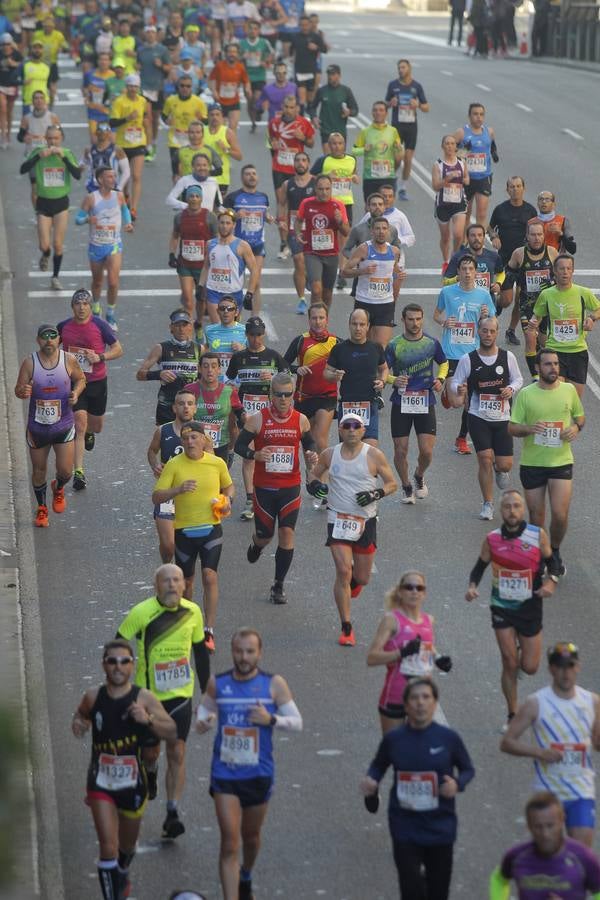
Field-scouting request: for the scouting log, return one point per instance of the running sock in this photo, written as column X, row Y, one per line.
column 347, row 628
column 353, row 583
column 40, row 493
column 60, row 482
column 283, row 561
column 249, row 496
column 530, row 359
column 464, row 427
column 125, row 860
column 46, row 253
column 111, row 307
column 403, row 185
column 171, row 806
column 245, row 874
column 56, row 264
column 108, row 875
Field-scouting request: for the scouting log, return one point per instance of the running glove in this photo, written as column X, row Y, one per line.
column 363, row 498
column 317, row 489
column 411, row 648
column 444, row 663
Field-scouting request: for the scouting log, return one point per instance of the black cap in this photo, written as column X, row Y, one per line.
column 334, row 69
column 255, row 325
column 563, row 653
column 180, row 315
column 46, row 327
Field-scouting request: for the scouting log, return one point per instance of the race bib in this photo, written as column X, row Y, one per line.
column 117, row 773
column 171, row 675
column 285, row 157
column 167, row 508
column 361, row 409
column 47, row 412
column 239, row 746
column 535, row 278
column 565, row 330
column 476, row 162
column 181, row 138
column 252, row 403
column 515, row 584
column 293, row 217
column 550, row 436
column 574, row 757
column 251, row 221
column 492, row 406
column 213, row 430
column 53, row 177
column 380, row 289
column 347, row 527
column 224, row 360
column 340, row 186
column 150, row 95
column 406, row 114
column 252, row 60
column 417, row 791
column 193, row 251
column 420, row 663
column 281, row 459
column 482, row 280
column 380, row 168
column 133, row 135
column 221, row 277
column 84, row 364
column 414, row 402
column 104, row 234
column 464, row 333
column 228, row 90
column 452, row 193
column 322, row 240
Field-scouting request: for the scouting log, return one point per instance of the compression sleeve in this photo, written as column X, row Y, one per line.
column 21, row 135
column 206, row 709
column 288, row 717
column 242, row 445
column 509, row 278
column 81, row 217
column 124, row 173
column 116, row 123
column 125, row 215
column 477, row 571
column 29, row 163
column 499, row 886
column 73, row 168
column 202, row 663
column 308, row 442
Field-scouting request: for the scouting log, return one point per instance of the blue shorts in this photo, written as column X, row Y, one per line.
column 294, row 244
column 258, row 249
column 580, row 813
column 215, row 296
column 372, row 429
column 100, row 252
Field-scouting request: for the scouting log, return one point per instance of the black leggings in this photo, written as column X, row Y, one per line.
column 437, row 862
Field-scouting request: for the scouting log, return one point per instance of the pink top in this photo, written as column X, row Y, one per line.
column 399, row 672
column 95, row 334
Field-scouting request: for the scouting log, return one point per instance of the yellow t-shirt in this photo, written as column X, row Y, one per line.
column 182, row 114
column 210, row 140
column 53, row 44
column 35, row 78
column 130, row 134
column 210, row 474
column 119, row 45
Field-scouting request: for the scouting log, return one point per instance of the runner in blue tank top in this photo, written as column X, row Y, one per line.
column 478, row 144
column 245, row 704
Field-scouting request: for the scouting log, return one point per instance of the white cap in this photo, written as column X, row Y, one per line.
column 134, row 78
column 351, row 417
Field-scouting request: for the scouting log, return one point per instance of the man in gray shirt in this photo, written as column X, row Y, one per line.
column 154, row 62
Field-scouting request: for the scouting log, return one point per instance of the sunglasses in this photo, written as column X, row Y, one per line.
column 413, row 587
column 49, row 335
column 283, row 393
column 352, row 426
column 227, row 308
column 118, row 660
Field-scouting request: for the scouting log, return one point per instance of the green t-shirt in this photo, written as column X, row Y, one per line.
column 254, row 56
column 52, row 177
column 557, row 407
column 378, row 144
column 164, row 645
column 566, row 310
column 330, row 112
column 113, row 87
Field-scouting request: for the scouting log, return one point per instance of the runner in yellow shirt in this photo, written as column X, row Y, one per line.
column 35, row 75
column 130, row 116
column 179, row 111
column 53, row 41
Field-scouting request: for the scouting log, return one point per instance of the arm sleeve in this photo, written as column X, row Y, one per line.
column 405, row 233
column 463, row 763
column 381, row 762
column 516, row 379
column 288, row 717
column 499, row 886
column 439, row 356
column 202, row 664
column 242, row 445
column 173, row 195
column 317, row 166
column 292, row 351
column 29, row 163
column 124, row 173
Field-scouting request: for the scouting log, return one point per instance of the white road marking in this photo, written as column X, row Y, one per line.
column 149, row 292
column 593, row 386
column 484, row 87
column 271, row 333
column 446, row 72
column 572, row 134
column 329, row 752
column 523, row 107
column 417, row 38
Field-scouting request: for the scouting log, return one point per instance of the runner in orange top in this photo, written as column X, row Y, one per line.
column 557, row 229
column 225, row 80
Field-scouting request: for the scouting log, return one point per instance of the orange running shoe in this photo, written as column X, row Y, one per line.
column 41, row 520
column 347, row 639
column 461, row 446
column 355, row 591
column 209, row 641
column 59, row 504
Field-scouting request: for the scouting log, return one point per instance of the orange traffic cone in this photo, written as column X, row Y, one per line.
column 524, row 46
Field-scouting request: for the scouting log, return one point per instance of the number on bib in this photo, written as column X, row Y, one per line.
column 347, row 527
column 239, row 746
column 565, row 330
column 47, row 412
column 79, row 354
column 415, row 402
column 116, row 773
column 380, row 168
column 452, row 193
column 464, row 333
column 281, row 459
column 252, row 403
column 53, row 177
column 172, row 674
column 574, row 756
column 515, row 584
column 193, row 251
column 417, row 791
column 322, row 240
column 492, row 406
column 476, row 162
column 550, row 437
column 133, row 135
column 361, row 408
column 535, row 278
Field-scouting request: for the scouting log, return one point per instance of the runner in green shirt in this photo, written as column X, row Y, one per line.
column 382, row 149
column 167, row 627
column 256, row 53
column 115, row 85
column 549, row 415
column 53, row 167
column 572, row 310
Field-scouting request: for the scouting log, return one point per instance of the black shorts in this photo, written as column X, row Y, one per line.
column 490, row 436
column 94, row 398
column 367, row 542
column 257, row 85
column 393, row 711
column 281, row 505
column 573, row 366
column 401, row 423
column 249, row 791
column 231, row 107
column 379, row 313
column 222, row 452
column 36, row 440
column 408, row 134
column 258, row 249
column 445, row 212
column 533, row 477
column 310, row 405
column 526, row 620
column 207, row 548
column 280, row 178
column 51, row 206
column 132, row 152
column 53, row 76
column 372, row 185
column 308, row 83
column 157, row 104
column 479, row 186
column 180, row 710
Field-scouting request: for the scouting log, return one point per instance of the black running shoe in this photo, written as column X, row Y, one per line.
column 278, row 594
column 152, row 784
column 253, row 553
column 245, row 891
column 79, row 480
column 172, row 826
column 90, row 440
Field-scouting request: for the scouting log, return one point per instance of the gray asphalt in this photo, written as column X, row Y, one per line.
column 98, row 559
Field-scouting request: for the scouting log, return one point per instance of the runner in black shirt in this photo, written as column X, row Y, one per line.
column 306, row 46
column 509, row 220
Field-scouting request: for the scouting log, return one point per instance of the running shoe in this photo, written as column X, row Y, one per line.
column 245, row 890
column 55, row 283
column 173, row 827
column 511, row 337
column 96, row 309
column 284, row 251
column 152, row 779
column 421, row 489
column 444, row 267
column 150, row 154
column 44, row 261
column 408, row 495
column 509, row 718
column 503, row 480
column 562, row 570
column 346, row 638
column 89, row 441
column 59, row 504
column 124, row 887
column 111, row 319
column 278, row 594
column 340, row 283
column 79, row 480
column 253, row 553
column 209, row 640
column 487, row 511
column 41, row 519
column 253, row 128
column 355, row 591
column 248, row 511
column 402, row 194
column 302, row 307
column 461, row 446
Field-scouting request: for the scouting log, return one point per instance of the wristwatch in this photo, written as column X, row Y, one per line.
column 553, row 578
column 273, row 721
